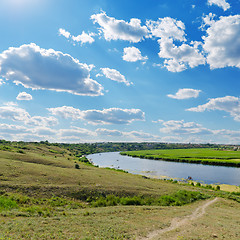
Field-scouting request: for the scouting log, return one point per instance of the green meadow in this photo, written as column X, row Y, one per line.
column 49, row 192
column 209, row 156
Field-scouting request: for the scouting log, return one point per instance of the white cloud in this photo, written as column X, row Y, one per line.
column 114, row 29
column 67, row 112
column 167, row 28
column 181, row 127
column 185, row 93
column 207, row 20
column 108, row 132
column 113, row 116
column 84, row 38
column 42, row 121
column 220, row 3
column 106, row 116
column 222, row 43
column 44, row 131
column 13, row 129
column 24, row 96
column 179, row 58
column 63, row 32
column 115, row 75
column 228, row 104
column 37, row 68
column 141, row 135
column 15, row 113
column 133, row 54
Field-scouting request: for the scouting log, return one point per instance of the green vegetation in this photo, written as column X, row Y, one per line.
column 196, row 155
column 51, row 191
column 177, row 199
column 7, row 203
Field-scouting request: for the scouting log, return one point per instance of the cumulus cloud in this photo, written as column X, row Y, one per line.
column 228, row 104
column 142, row 135
column 67, row 112
column 42, row 121
column 108, row 132
column 24, row 96
column 44, row 131
column 81, row 38
column 114, row 29
column 106, row 116
column 84, row 38
column 220, row 3
column 13, row 129
column 114, row 116
column 38, row 68
column 185, row 93
column 115, row 75
column 207, row 20
column 222, row 43
column 179, row 58
column 63, row 32
column 133, row 54
column 181, row 127
column 15, row 113
column 167, row 28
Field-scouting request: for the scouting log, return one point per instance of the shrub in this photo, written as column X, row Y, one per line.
column 77, row 166
column 21, row 151
column 7, row 203
column 177, row 199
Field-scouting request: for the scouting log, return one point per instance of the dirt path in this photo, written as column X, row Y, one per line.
column 178, row 222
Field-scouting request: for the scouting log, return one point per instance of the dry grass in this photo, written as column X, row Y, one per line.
column 44, row 171
column 220, row 222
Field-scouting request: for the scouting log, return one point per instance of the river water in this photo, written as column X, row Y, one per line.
column 162, row 169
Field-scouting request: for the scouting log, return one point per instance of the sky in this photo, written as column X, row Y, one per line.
column 136, row 71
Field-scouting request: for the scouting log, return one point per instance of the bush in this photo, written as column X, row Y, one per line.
column 21, row 151
column 7, row 203
column 77, row 166
column 177, row 199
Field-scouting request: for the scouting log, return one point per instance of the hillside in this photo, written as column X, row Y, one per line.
column 45, row 196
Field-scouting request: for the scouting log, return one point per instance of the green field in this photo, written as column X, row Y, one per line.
column 196, row 155
column 44, row 196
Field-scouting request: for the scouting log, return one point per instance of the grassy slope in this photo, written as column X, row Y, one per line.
column 41, row 173
column 44, row 170
column 196, row 155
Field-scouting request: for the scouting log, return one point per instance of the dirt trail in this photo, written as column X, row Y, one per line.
column 178, row 222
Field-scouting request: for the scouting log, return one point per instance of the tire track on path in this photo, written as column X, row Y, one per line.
column 178, row 222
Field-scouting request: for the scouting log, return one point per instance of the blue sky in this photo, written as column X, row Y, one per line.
column 101, row 70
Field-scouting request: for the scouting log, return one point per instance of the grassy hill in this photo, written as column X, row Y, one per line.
column 43, row 195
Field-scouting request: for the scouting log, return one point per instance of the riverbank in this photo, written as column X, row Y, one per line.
column 207, row 174
column 206, row 156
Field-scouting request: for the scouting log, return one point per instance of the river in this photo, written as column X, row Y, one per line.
column 161, row 169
